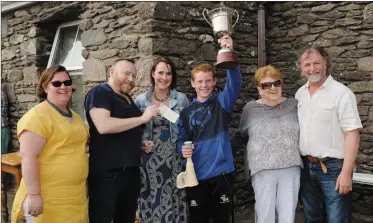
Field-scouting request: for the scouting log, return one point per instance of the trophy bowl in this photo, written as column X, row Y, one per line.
column 220, row 19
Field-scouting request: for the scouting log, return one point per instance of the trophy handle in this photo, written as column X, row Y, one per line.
column 203, row 13
column 238, row 16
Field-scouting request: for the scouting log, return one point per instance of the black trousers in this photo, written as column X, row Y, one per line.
column 211, row 199
column 113, row 195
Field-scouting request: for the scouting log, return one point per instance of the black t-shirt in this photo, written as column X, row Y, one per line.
column 111, row 151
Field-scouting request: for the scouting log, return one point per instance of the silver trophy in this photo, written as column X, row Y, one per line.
column 220, row 19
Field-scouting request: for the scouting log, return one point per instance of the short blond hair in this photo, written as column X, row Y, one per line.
column 267, row 71
column 204, row 68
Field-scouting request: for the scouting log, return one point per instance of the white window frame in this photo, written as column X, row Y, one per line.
column 73, row 70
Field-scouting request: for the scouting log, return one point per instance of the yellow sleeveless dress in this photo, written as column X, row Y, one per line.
column 63, row 165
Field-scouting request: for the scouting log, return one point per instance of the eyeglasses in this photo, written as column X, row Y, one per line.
column 59, row 83
column 268, row 85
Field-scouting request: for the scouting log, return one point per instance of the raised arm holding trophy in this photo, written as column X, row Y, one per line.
column 220, row 19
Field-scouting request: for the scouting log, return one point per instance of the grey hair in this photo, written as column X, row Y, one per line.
column 320, row 50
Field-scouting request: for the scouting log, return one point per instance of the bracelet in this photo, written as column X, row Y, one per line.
column 33, row 193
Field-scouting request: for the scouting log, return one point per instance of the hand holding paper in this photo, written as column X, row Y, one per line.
column 168, row 114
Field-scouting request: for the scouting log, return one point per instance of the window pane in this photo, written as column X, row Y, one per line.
column 77, row 99
column 76, row 57
column 65, row 52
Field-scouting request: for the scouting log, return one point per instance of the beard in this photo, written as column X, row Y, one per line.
column 314, row 77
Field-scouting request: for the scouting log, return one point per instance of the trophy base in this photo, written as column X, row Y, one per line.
column 226, row 60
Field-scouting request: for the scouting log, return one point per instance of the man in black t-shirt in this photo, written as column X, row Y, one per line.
column 115, row 146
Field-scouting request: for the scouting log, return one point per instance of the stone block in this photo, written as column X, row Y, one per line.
column 104, row 23
column 309, row 38
column 146, row 9
column 336, row 51
column 365, row 64
column 93, row 37
column 143, row 66
column 31, row 73
column 365, row 44
column 323, row 42
column 21, row 13
column 277, row 33
column 88, row 14
column 169, row 11
column 359, row 53
column 333, row 33
column 129, row 53
column 350, row 7
column 146, row 45
column 301, row 30
column 15, row 75
column 361, row 86
column 206, row 38
column 348, row 22
column 85, row 24
column 308, row 18
column 345, row 40
column 367, row 99
column 104, row 54
column 34, row 31
column 125, row 41
column 110, row 61
column 371, row 113
column 363, row 110
column 173, row 46
column 318, row 29
column 323, row 8
column 333, row 15
column 206, row 52
column 368, row 13
column 15, row 39
column 8, row 54
column 94, row 70
column 32, row 47
column 27, row 98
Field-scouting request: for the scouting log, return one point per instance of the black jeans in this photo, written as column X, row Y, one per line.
column 211, row 199
column 113, row 195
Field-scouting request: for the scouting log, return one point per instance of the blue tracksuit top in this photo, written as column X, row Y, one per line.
column 206, row 124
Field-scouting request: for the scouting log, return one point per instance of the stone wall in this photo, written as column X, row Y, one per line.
column 346, row 30
column 112, row 30
column 142, row 30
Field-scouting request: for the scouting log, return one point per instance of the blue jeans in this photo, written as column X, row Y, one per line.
column 318, row 193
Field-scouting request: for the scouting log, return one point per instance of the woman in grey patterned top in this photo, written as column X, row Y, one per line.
column 270, row 128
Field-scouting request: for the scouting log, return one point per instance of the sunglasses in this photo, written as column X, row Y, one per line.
column 59, row 83
column 268, row 85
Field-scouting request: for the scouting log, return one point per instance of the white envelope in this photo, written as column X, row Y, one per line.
column 168, row 114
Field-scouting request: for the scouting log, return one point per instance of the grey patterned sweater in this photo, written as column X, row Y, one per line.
column 271, row 134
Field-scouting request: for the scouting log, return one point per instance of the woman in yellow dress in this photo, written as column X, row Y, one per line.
column 54, row 161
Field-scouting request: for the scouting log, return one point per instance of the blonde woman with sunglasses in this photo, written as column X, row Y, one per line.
column 54, row 162
column 269, row 127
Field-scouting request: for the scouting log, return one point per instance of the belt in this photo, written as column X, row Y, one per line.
column 312, row 159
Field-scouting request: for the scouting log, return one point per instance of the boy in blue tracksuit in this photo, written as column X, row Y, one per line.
column 206, row 123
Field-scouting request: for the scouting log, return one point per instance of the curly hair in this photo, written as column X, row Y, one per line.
column 267, row 71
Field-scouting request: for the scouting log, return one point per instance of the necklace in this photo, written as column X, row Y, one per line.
column 160, row 99
column 277, row 115
column 69, row 114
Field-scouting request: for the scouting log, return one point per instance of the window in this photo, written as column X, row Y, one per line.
column 67, row 51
